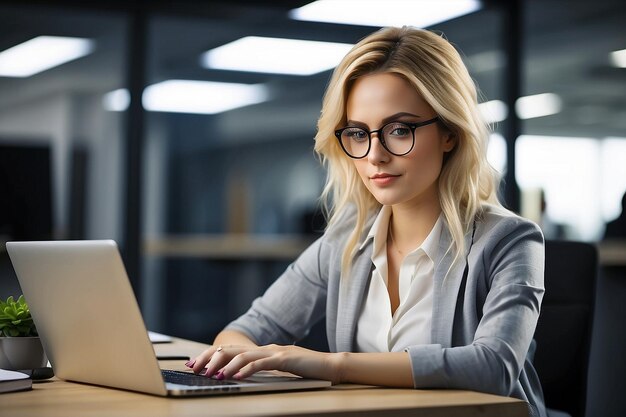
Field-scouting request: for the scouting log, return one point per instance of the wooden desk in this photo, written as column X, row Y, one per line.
column 60, row 398
column 233, row 246
column 288, row 247
column 612, row 252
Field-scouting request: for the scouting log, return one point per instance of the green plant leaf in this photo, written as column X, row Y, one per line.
column 15, row 318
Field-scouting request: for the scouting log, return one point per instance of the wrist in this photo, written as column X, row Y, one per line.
column 233, row 338
column 337, row 365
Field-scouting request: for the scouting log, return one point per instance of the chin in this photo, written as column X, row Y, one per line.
column 386, row 200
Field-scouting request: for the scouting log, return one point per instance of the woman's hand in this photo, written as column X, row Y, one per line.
column 239, row 362
column 235, row 355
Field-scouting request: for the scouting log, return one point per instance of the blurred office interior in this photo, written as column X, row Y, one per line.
column 131, row 139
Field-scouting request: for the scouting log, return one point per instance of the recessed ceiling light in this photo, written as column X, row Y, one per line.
column 117, row 100
column 538, row 105
column 618, row 58
column 421, row 13
column 42, row 53
column 276, row 55
column 527, row 107
column 203, row 97
column 493, row 111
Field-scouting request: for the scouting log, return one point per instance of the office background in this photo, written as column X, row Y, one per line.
column 209, row 206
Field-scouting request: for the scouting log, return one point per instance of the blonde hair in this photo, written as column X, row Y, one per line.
column 434, row 67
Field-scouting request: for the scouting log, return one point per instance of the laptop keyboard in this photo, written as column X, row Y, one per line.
column 186, row 378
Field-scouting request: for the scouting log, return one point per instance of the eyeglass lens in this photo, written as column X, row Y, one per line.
column 396, row 137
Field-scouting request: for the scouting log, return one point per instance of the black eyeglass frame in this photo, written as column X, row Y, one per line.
column 412, row 126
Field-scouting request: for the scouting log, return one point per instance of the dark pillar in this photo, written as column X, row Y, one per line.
column 513, row 35
column 136, row 81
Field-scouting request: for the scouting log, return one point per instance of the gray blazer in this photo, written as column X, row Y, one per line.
column 485, row 306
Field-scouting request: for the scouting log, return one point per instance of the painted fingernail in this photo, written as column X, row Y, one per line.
column 220, row 375
column 190, row 364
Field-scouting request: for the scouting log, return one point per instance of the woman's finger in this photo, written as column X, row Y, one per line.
column 221, row 356
column 206, row 357
column 263, row 364
column 197, row 364
column 244, row 359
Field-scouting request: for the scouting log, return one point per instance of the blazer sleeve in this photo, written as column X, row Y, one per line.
column 513, row 265
column 285, row 313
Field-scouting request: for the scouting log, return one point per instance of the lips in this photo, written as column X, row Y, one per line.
column 383, row 178
column 382, row 175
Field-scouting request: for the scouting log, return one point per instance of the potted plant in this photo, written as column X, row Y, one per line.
column 20, row 347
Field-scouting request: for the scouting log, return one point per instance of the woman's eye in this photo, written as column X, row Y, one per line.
column 400, row 131
column 355, row 134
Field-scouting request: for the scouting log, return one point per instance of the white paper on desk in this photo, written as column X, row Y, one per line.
column 7, row 375
column 159, row 338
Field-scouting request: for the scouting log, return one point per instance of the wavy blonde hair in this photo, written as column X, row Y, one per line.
column 434, row 67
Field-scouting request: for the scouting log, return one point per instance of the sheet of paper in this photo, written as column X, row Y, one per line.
column 6, row 375
column 159, row 338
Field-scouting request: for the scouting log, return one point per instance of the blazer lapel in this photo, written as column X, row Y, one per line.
column 351, row 295
column 447, row 280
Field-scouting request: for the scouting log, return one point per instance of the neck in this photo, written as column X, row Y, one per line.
column 409, row 226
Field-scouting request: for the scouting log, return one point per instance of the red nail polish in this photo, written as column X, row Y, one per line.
column 219, row 376
column 190, row 364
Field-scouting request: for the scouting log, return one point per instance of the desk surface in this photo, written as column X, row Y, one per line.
column 60, row 398
column 288, row 247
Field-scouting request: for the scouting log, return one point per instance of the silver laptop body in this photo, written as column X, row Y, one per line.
column 91, row 327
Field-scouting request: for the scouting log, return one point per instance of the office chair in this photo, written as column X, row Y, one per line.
column 563, row 332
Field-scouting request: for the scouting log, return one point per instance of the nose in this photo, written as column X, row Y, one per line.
column 377, row 154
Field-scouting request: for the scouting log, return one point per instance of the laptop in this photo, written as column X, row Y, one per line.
column 91, row 327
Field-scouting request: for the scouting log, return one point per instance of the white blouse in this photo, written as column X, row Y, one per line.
column 379, row 331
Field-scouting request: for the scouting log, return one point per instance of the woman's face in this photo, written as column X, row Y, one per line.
column 411, row 179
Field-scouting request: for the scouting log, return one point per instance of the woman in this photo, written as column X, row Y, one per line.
column 424, row 279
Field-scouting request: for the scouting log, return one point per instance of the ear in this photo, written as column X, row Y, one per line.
column 449, row 141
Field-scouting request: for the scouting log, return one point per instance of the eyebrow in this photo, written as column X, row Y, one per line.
column 386, row 119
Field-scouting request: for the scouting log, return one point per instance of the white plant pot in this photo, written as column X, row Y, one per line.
column 22, row 353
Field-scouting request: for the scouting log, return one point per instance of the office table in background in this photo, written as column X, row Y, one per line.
column 285, row 247
column 61, row 398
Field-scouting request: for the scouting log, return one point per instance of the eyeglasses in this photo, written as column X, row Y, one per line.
column 398, row 138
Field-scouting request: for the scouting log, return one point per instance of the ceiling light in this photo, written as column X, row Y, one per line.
column 42, row 53
column 618, row 58
column 388, row 13
column 275, row 55
column 527, row 107
column 117, row 100
column 203, row 97
column 538, row 105
column 493, row 111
